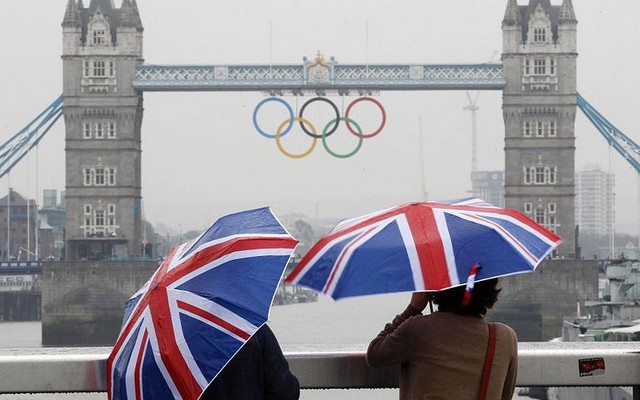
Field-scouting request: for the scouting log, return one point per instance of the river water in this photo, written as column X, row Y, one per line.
column 323, row 325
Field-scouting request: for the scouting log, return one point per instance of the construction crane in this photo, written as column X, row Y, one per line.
column 473, row 107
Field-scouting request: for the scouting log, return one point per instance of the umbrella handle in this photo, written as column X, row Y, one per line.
column 430, row 306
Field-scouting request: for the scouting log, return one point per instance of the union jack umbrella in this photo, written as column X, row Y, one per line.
column 203, row 303
column 425, row 246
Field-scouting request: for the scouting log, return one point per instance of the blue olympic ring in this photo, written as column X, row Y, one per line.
column 255, row 117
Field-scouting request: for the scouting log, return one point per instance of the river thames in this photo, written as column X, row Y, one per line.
column 323, row 325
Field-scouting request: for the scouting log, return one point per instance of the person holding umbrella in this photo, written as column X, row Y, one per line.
column 259, row 371
column 452, row 353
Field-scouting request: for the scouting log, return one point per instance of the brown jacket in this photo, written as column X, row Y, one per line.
column 442, row 356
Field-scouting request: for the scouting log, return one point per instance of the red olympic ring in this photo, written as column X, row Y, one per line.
column 382, row 124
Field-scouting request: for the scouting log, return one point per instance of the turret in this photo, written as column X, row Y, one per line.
column 511, row 27
column 71, row 27
column 567, row 27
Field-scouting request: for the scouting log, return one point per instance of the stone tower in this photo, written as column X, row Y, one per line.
column 102, row 45
column 539, row 108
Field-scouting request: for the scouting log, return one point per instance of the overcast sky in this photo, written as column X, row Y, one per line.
column 202, row 157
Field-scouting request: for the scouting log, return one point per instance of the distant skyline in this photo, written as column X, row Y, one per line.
column 202, row 157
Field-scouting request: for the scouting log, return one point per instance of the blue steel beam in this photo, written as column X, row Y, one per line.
column 623, row 144
column 319, row 77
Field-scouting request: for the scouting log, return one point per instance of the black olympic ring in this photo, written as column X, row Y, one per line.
column 335, row 109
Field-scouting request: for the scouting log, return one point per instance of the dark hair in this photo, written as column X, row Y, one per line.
column 483, row 297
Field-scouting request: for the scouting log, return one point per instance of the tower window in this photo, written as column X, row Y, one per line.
column 526, row 129
column 99, row 37
column 98, row 69
column 539, row 66
column 540, row 35
column 527, row 208
column 540, row 175
column 99, row 177
column 539, row 216
column 552, row 128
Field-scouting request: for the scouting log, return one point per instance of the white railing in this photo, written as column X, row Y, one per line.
column 57, row 370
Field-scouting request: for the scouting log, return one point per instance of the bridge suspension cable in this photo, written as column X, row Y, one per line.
column 622, row 143
column 18, row 145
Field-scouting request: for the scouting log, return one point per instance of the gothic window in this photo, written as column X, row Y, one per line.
column 112, row 68
column 552, row 208
column 526, row 129
column 98, row 68
column 539, row 216
column 86, row 176
column 527, row 208
column 99, row 37
column 539, row 129
column 539, row 66
column 551, row 223
column 86, row 130
column 99, row 218
column 540, row 35
column 552, row 66
column 550, row 175
column 111, row 130
column 528, row 178
column 99, row 177
column 539, row 175
column 99, row 130
column 87, row 209
column 111, row 209
column 86, row 70
column 552, row 129
column 527, row 66
column 111, row 176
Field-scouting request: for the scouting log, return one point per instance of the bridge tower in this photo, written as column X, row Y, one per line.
column 102, row 45
column 539, row 108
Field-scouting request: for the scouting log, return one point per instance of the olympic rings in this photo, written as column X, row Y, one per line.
column 290, row 122
column 309, row 129
column 336, row 119
column 326, row 146
column 255, row 116
column 374, row 101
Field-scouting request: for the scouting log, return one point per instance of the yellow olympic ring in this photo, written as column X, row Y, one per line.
column 303, row 121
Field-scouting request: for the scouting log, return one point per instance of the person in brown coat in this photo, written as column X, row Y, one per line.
column 442, row 355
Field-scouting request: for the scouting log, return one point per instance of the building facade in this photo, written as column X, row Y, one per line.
column 18, row 238
column 539, row 108
column 102, row 45
column 595, row 201
column 489, row 186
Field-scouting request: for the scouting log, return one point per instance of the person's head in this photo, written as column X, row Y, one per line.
column 483, row 297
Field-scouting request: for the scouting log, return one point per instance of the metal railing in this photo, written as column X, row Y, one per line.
column 57, row 370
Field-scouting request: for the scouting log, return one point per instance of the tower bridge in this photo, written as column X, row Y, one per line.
column 105, row 76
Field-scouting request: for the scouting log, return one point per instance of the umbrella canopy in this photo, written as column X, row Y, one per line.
column 421, row 247
column 202, row 304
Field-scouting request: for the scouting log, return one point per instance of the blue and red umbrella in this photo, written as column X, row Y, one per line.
column 425, row 246
column 203, row 303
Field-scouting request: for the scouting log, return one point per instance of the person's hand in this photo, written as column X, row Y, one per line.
column 419, row 300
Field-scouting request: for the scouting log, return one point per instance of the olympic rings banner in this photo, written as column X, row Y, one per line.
column 309, row 129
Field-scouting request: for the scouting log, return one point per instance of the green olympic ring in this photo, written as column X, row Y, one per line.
column 324, row 137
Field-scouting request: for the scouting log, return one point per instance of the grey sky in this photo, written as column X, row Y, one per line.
column 202, row 157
